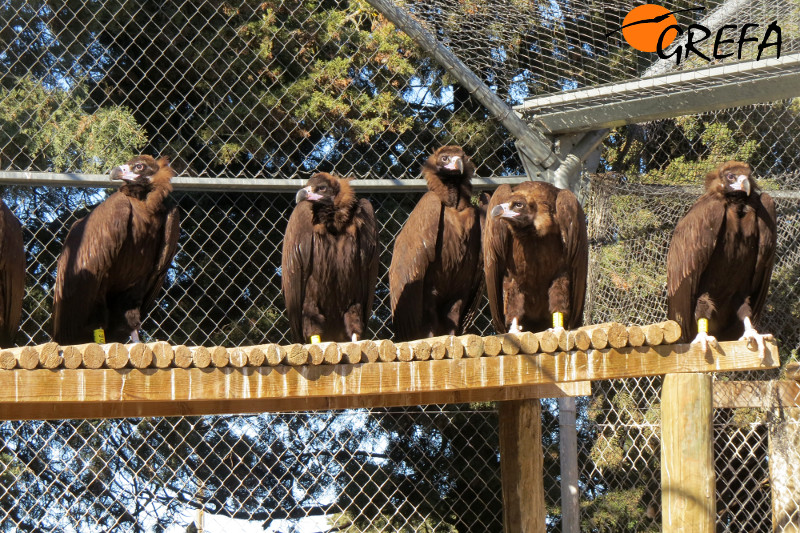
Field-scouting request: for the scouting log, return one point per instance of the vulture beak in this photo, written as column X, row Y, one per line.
column 455, row 163
column 742, row 183
column 123, row 172
column 502, row 210
column 307, row 194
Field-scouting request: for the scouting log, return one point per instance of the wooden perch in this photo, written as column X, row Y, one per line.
column 581, row 339
column 296, row 355
column 237, row 357
column 635, row 336
column 163, row 354
column 183, row 356
column 653, row 334
column 793, row 371
column 201, row 357
column 219, row 357
column 386, row 351
column 548, row 342
column 104, row 392
column 141, row 355
column 473, row 345
column 672, row 331
column 116, row 355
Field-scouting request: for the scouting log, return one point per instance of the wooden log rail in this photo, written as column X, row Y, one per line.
column 162, row 355
column 156, row 379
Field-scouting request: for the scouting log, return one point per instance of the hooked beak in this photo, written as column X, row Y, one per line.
column 503, row 210
column 741, row 184
column 123, row 172
column 307, row 194
column 455, row 163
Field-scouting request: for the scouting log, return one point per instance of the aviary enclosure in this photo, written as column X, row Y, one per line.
column 249, row 99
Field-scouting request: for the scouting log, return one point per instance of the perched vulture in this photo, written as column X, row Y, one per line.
column 12, row 275
column 435, row 276
column 115, row 258
column 536, row 255
column 330, row 262
column 720, row 259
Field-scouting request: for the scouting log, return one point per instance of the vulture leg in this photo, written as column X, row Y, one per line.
column 313, row 321
column 754, row 337
column 135, row 336
column 514, row 328
column 454, row 316
column 353, row 324
column 558, row 323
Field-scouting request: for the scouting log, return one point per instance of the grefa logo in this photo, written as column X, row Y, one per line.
column 652, row 28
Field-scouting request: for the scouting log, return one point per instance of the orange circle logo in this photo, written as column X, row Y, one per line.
column 644, row 24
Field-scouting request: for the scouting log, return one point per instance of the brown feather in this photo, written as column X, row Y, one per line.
column 12, row 275
column 330, row 263
column 536, row 262
column 115, row 259
column 721, row 257
column 435, row 274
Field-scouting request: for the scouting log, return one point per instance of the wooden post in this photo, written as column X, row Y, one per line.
column 568, row 452
column 687, row 454
column 521, row 465
column 784, row 472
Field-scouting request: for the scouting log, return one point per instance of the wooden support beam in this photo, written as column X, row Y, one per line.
column 793, row 370
column 784, row 471
column 104, row 392
column 522, row 466
column 688, row 499
column 756, row 394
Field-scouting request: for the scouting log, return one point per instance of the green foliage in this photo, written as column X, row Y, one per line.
column 53, row 129
column 619, row 511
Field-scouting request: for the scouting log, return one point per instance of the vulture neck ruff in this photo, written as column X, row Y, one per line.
column 154, row 192
column 453, row 190
column 336, row 217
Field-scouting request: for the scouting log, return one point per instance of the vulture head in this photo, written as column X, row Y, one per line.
column 144, row 174
column 450, row 163
column 332, row 199
column 527, row 210
column 732, row 179
column 321, row 189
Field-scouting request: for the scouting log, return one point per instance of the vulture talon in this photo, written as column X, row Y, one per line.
column 755, row 340
column 704, row 339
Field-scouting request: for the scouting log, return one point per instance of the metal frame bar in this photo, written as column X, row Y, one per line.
column 666, row 96
column 195, row 183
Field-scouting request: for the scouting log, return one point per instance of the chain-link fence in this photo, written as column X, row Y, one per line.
column 282, row 89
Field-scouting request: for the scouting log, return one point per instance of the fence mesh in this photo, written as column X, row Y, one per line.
column 281, row 89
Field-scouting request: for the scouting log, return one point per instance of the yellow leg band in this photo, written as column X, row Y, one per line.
column 558, row 320
column 315, row 339
column 99, row 336
column 702, row 325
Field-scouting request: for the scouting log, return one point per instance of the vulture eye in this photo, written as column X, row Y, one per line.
column 517, row 205
column 138, row 166
column 730, row 177
column 322, row 188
